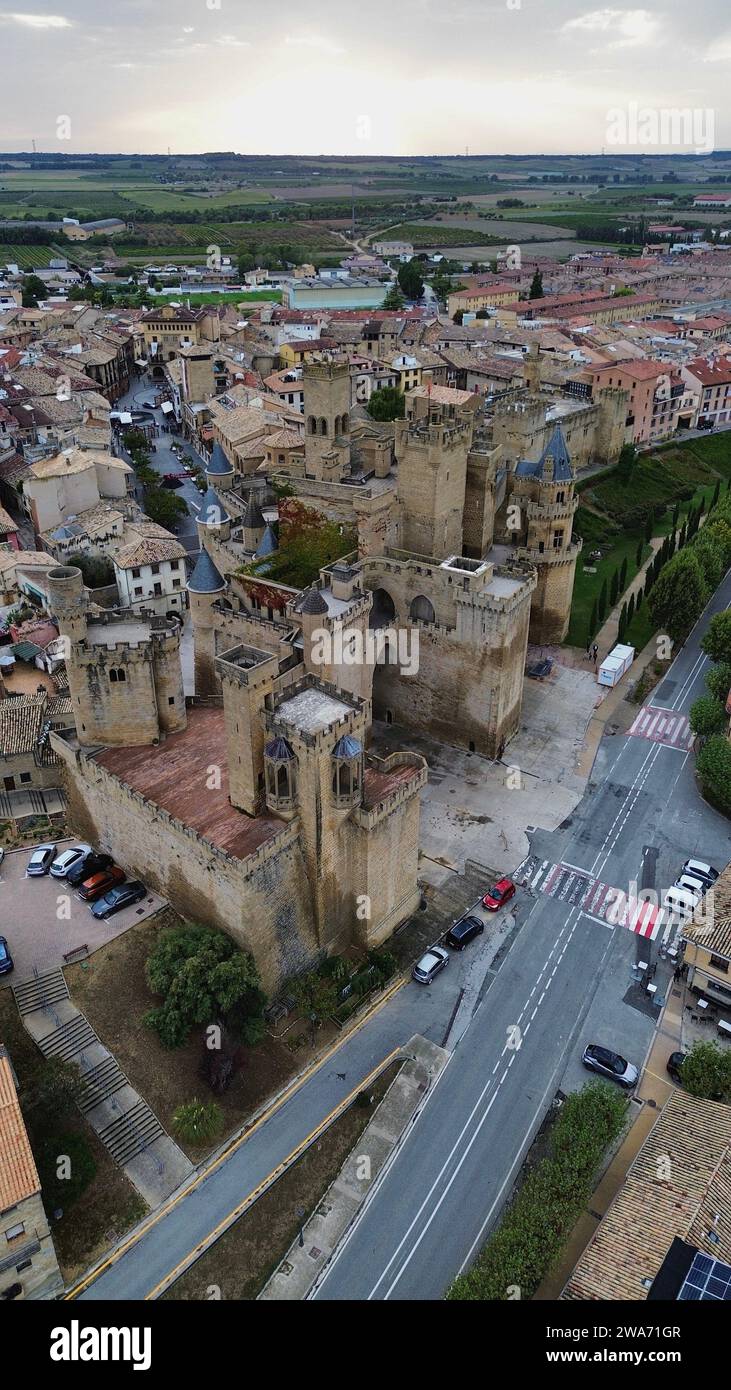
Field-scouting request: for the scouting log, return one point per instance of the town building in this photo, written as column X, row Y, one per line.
column 28, row 1264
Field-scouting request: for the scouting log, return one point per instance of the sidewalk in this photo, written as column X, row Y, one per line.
column 309, row 1256
column 608, row 635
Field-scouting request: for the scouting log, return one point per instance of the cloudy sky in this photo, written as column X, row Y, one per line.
column 353, row 76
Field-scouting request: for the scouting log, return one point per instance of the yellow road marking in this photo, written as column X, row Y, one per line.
column 227, row 1152
column 256, row 1192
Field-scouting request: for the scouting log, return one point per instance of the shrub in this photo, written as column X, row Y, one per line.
column 60, row 1191
column 534, row 1229
column 679, row 595
column 714, row 770
column 707, row 716
column 196, row 1121
column 706, row 1072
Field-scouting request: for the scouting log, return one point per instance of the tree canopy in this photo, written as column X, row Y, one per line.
column 202, row 976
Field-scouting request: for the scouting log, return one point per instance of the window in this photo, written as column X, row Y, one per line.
column 155, row 569
column 171, row 699
column 25, row 777
column 135, row 574
column 719, row 963
column 117, row 675
column 13, row 1232
column 558, row 539
column 24, row 1264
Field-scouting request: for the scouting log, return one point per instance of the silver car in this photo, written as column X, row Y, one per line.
column 40, row 860
column 68, row 860
column 430, row 964
column 607, row 1063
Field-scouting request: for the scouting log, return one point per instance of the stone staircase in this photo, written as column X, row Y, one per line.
column 124, row 1122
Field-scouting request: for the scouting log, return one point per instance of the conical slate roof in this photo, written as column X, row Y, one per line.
column 267, row 545
column 279, row 750
column 347, row 747
column 205, row 578
column 212, row 512
column 313, row 602
column 555, row 449
column 218, row 464
column 253, row 517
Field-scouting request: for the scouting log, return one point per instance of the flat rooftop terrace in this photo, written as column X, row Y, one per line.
column 174, row 777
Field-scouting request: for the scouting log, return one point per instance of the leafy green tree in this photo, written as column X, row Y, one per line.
column 197, row 1121
column 410, row 280
column 316, row 994
column 536, row 286
column 707, row 716
column 706, row 1072
column 710, row 557
column 714, row 769
column 164, row 507
column 679, row 596
column 716, row 642
column 200, row 974
column 626, row 462
column 394, row 299
column 718, row 681
column 33, row 290
column 388, row 403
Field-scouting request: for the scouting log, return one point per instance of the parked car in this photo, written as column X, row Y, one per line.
column 699, row 869
column 681, row 902
column 498, row 896
column 40, row 861
column 675, row 1064
column 463, row 932
column 172, row 480
column 92, row 888
column 6, row 960
column 92, row 863
column 76, row 854
column 692, row 884
column 608, row 1063
column 122, row 896
column 430, row 964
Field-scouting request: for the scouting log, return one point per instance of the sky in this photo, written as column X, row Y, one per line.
column 394, row 77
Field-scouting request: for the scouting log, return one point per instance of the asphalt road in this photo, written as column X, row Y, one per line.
column 565, row 981
column 165, row 460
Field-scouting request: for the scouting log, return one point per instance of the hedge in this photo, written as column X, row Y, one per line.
column 540, row 1219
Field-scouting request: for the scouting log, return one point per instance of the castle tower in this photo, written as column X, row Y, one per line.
column 253, row 526
column 432, row 474
column 518, row 426
column 125, row 677
column 247, row 677
column 213, row 521
column 334, row 636
column 327, row 418
column 219, row 472
column 325, row 729
column 205, row 586
column 543, row 497
column 197, row 372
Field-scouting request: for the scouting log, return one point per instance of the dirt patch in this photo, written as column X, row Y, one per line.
column 241, row 1262
column 110, row 1205
column 112, row 991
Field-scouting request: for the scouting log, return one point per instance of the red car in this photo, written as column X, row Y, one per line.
column 101, row 883
column 498, row 896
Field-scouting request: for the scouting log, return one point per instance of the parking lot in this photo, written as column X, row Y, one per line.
column 43, row 920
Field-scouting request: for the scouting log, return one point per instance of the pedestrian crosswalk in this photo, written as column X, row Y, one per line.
column 596, row 899
column 666, row 726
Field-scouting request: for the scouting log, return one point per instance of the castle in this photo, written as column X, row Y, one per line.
column 258, row 804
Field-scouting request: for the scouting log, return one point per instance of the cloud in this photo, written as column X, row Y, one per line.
column 231, row 41
column 37, row 21
column 315, row 41
column 626, row 28
column 719, row 51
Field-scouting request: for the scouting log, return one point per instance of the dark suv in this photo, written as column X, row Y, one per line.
column 92, row 863
column 463, row 932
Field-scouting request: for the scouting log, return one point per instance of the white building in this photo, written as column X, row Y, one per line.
column 150, row 573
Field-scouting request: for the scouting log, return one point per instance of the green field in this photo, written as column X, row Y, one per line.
column 28, row 257
column 608, row 516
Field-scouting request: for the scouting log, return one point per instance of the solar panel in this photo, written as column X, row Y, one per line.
column 707, row 1279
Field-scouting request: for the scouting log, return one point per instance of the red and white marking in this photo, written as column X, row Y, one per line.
column 664, row 726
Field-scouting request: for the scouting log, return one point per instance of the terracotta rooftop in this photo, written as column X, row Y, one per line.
column 715, row 937
column 377, row 786
column 174, row 777
column 18, row 1173
column 649, row 1211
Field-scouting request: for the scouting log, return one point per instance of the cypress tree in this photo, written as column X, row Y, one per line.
column 648, row 523
column 630, row 609
column 614, row 589
column 592, row 620
column 622, row 627
column 716, row 492
column 623, row 576
column 603, row 601
column 638, row 556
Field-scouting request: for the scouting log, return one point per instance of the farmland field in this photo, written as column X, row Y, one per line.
column 28, row 257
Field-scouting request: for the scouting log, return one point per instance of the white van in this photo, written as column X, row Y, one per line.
column 682, row 902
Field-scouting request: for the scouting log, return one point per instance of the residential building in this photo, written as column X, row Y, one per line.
column 707, row 952
column 28, row 1264
column 709, row 380
column 150, row 574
